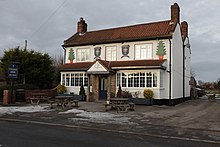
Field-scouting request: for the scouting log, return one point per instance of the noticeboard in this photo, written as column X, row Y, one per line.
column 13, row 71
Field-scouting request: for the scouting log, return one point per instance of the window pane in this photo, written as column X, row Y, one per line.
column 67, row 79
column 118, row 79
column 111, row 53
column 142, row 81
column 149, row 79
column 80, row 79
column 72, row 79
column 63, row 79
column 130, row 80
column 137, row 52
column 136, row 80
column 154, row 80
column 76, row 79
column 143, row 53
column 85, row 80
column 124, row 80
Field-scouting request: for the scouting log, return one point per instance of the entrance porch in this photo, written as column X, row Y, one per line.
column 102, row 87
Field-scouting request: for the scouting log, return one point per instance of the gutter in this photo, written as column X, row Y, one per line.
column 140, row 67
column 64, row 59
column 118, row 41
column 183, row 70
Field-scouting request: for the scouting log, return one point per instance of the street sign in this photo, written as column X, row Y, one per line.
column 13, row 71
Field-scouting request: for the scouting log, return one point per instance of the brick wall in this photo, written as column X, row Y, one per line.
column 113, row 85
column 95, row 88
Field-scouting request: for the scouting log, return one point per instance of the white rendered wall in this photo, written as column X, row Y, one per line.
column 187, row 67
column 119, row 50
column 177, row 64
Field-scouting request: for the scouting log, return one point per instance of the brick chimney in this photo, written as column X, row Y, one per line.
column 184, row 29
column 175, row 13
column 81, row 26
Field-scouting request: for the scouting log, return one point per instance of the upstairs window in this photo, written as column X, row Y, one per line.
column 111, row 53
column 83, row 54
column 143, row 51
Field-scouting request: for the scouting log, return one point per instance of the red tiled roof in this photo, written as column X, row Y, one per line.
column 80, row 66
column 84, row 66
column 135, row 63
column 154, row 30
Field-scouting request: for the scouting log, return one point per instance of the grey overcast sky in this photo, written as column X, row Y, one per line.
column 46, row 23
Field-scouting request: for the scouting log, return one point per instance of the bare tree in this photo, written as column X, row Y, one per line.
column 192, row 73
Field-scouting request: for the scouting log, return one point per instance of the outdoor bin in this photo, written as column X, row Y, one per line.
column 20, row 95
column 6, row 97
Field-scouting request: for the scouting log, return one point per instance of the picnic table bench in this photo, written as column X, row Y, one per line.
column 36, row 98
column 63, row 101
column 121, row 104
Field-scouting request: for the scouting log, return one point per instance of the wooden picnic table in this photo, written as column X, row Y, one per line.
column 63, row 101
column 35, row 98
column 122, row 104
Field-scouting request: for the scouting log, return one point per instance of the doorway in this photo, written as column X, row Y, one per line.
column 102, row 88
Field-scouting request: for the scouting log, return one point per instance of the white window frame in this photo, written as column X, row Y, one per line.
column 122, row 79
column 143, row 51
column 111, row 53
column 82, row 78
column 80, row 52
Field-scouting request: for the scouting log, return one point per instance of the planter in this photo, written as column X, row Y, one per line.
column 141, row 101
column 71, row 61
column 79, row 97
column 161, row 57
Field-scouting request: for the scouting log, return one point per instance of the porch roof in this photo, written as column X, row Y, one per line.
column 114, row 65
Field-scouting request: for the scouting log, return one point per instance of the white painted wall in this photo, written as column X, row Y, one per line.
column 187, row 67
column 177, row 64
column 119, row 50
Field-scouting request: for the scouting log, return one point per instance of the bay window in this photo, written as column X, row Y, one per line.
column 137, row 79
column 74, row 79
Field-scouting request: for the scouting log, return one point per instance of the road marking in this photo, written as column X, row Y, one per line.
column 112, row 131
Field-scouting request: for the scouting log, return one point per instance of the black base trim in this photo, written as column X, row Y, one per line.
column 171, row 102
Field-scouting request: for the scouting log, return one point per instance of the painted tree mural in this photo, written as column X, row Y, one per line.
column 161, row 50
column 71, row 55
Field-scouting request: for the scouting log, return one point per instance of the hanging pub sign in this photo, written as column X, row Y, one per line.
column 13, row 71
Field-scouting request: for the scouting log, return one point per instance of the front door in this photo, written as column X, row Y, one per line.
column 103, row 88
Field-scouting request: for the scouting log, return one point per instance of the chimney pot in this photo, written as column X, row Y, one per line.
column 184, row 29
column 81, row 26
column 175, row 13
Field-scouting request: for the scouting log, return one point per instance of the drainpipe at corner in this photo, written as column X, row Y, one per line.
column 64, row 58
column 183, row 72
column 170, row 81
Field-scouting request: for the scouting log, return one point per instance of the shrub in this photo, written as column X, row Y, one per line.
column 82, row 92
column 148, row 93
column 61, row 89
column 126, row 94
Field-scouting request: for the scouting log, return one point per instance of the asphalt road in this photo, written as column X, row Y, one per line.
column 19, row 134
